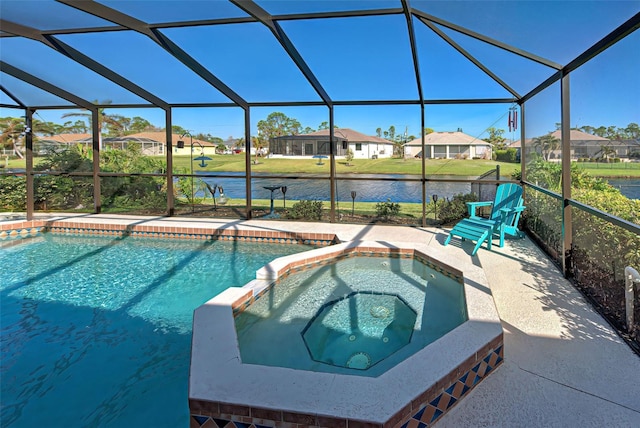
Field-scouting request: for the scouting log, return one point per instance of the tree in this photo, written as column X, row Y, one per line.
column 633, row 131
column 77, row 127
column 398, row 147
column 600, row 131
column 392, row 133
column 546, row 144
column 428, row 131
column 276, row 125
column 495, row 138
column 140, row 124
column 308, row 130
column 606, row 152
column 239, row 142
column 323, row 125
column 258, row 143
column 104, row 119
column 177, row 129
column 12, row 128
column 349, row 156
column 379, row 132
column 588, row 129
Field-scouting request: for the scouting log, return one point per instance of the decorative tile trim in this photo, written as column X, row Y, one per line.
column 423, row 412
column 27, row 228
column 431, row 411
column 20, row 233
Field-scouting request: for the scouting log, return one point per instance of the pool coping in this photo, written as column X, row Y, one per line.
column 157, row 228
column 421, row 388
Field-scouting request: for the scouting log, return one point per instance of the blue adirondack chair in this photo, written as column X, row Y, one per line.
column 505, row 214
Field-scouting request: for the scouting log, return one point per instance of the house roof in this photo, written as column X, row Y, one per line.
column 151, row 136
column 447, row 138
column 347, row 134
column 65, row 138
column 160, row 136
column 574, row 136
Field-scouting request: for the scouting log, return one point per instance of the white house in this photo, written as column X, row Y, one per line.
column 449, row 145
column 317, row 143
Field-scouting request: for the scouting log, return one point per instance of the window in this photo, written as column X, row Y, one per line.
column 358, row 147
column 440, row 152
column 323, row 147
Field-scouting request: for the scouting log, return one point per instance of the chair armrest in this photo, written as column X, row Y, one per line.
column 515, row 210
column 471, row 206
column 505, row 211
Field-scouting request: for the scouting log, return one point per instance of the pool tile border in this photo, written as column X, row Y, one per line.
column 424, row 411
column 20, row 229
column 25, row 229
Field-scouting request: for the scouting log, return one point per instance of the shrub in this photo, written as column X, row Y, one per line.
column 387, row 209
column 349, row 156
column 307, row 210
column 13, row 193
column 449, row 211
column 507, row 155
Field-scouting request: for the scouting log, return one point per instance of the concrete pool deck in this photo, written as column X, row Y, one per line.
column 564, row 365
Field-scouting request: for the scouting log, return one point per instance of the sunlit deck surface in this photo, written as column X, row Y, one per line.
column 564, row 365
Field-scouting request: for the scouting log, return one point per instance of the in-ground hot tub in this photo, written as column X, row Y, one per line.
column 345, row 353
column 359, row 313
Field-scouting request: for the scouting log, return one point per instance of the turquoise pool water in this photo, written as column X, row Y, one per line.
column 96, row 331
column 358, row 316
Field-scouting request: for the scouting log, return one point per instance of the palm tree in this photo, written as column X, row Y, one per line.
column 606, row 152
column 112, row 120
column 12, row 131
column 12, row 128
column 258, row 144
column 547, row 145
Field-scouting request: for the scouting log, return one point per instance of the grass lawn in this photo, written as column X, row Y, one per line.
column 620, row 169
column 411, row 166
column 235, row 163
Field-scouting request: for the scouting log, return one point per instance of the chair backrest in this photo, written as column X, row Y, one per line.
column 508, row 195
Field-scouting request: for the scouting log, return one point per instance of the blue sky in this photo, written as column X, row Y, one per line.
column 366, row 58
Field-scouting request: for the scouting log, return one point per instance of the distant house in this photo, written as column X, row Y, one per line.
column 449, row 145
column 585, row 146
column 151, row 143
column 317, row 143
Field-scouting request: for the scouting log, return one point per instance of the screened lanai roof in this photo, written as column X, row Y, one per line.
column 250, row 53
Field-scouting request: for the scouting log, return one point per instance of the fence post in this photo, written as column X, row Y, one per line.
column 631, row 277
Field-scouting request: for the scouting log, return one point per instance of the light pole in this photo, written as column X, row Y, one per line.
column 353, row 201
column 435, row 206
column 283, row 189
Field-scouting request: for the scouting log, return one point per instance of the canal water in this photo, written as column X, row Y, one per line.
column 371, row 190
column 630, row 187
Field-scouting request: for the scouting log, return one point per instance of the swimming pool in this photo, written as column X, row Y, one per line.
column 96, row 331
